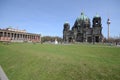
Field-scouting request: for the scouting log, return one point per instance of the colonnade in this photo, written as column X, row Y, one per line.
column 19, row 36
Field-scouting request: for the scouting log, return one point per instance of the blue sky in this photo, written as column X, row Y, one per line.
column 47, row 17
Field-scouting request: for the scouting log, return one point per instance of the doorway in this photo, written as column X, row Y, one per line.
column 97, row 39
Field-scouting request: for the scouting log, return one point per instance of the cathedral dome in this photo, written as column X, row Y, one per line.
column 82, row 17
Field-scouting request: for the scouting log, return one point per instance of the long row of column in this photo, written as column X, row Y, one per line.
column 15, row 36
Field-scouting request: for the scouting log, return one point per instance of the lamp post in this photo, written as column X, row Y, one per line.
column 108, row 23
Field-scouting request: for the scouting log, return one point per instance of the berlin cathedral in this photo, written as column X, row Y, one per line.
column 82, row 31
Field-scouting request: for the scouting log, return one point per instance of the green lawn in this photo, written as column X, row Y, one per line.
column 25, row 61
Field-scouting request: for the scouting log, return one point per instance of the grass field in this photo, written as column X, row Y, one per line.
column 25, row 61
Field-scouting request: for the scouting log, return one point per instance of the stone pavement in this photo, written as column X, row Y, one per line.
column 2, row 74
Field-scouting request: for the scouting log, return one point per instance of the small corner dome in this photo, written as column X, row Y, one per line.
column 66, row 22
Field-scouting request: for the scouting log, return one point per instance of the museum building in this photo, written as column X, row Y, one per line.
column 15, row 35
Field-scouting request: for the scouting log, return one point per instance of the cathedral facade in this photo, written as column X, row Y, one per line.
column 82, row 31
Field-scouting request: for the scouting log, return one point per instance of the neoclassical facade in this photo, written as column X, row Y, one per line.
column 14, row 35
column 82, row 30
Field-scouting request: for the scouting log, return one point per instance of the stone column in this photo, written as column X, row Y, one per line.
column 27, row 37
column 23, row 37
column 34, row 37
column 39, row 38
column 6, row 37
column 30, row 37
column 20, row 36
column 10, row 35
column 13, row 36
column 3, row 34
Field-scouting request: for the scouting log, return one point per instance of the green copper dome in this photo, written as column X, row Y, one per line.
column 82, row 17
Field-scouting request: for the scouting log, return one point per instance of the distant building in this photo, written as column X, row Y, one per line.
column 15, row 35
column 82, row 30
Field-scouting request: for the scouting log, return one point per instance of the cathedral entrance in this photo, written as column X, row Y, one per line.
column 79, row 37
column 70, row 39
column 89, row 39
column 96, row 38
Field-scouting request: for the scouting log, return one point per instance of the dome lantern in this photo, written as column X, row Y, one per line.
column 97, row 16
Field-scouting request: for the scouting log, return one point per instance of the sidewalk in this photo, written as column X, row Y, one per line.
column 2, row 74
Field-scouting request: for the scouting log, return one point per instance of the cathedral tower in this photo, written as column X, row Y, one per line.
column 65, row 31
column 97, row 29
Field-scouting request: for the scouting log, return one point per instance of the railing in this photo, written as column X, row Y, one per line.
column 5, row 39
